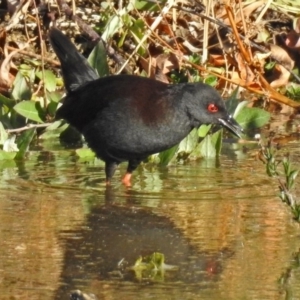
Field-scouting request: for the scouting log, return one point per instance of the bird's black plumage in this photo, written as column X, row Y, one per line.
column 127, row 118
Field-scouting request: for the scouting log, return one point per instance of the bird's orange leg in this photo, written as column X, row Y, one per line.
column 127, row 179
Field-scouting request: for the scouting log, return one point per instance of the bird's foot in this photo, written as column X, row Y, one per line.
column 126, row 179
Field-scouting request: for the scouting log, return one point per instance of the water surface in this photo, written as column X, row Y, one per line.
column 221, row 223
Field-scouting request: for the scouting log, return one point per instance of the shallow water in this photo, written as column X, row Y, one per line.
column 220, row 223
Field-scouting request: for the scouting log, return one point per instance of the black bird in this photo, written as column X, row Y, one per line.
column 126, row 117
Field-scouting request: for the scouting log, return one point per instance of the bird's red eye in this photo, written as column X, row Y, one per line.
column 213, row 108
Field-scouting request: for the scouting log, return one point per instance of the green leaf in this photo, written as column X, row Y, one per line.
column 8, row 119
column 294, row 174
column 211, row 80
column 30, row 110
column 216, row 140
column 54, row 130
column 122, row 38
column 253, row 117
column 189, row 143
column 113, row 25
column 203, row 130
column 97, row 59
column 270, row 65
column 138, row 30
column 21, row 89
column 10, row 145
column 262, row 36
column 7, row 155
column 232, row 102
column 34, row 62
column 27, row 72
column 49, row 79
column 207, row 147
column 166, row 156
column 146, row 5
column 51, row 108
column 54, row 96
column 85, row 153
column 24, row 141
column 59, row 124
column 3, row 134
column 239, row 108
column 7, row 101
column 25, row 67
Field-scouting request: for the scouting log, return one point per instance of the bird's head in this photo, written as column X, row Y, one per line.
column 205, row 106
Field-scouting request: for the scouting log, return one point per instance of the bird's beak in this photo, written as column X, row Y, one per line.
column 232, row 126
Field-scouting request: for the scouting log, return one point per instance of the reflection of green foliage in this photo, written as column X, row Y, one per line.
column 151, row 267
column 24, row 141
column 284, row 279
column 7, row 155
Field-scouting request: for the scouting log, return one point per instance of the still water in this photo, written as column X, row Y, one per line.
column 220, row 223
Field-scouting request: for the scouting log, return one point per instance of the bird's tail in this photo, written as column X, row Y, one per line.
column 75, row 69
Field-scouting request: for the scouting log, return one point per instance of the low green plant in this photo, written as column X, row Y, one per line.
column 293, row 91
column 36, row 92
column 284, row 172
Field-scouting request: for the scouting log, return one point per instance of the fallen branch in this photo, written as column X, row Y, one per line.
column 27, row 127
